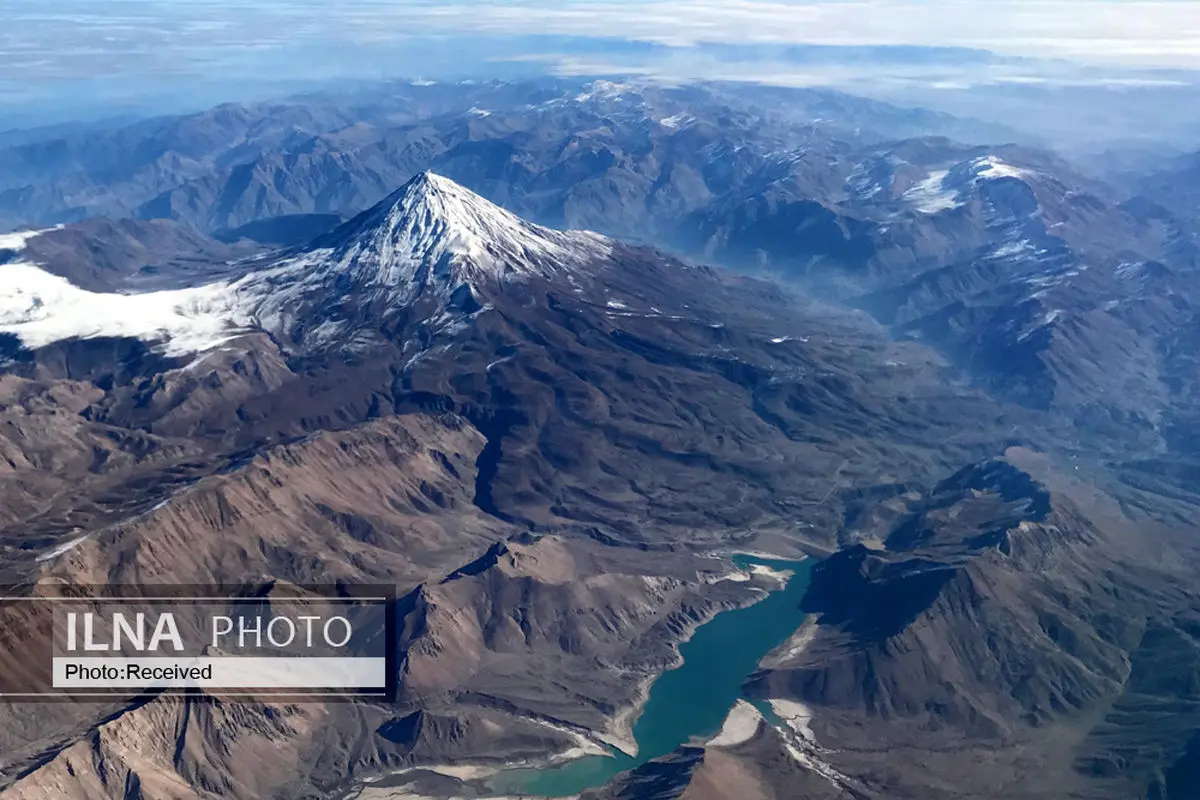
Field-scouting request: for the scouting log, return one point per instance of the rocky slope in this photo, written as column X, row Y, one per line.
column 541, row 438
column 534, row 435
column 1020, row 270
column 576, row 151
column 999, row 632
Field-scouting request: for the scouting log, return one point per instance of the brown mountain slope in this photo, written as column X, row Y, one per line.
column 999, row 645
column 540, row 455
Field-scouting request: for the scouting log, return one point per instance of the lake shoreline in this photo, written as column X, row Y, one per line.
column 598, row 754
column 658, row 731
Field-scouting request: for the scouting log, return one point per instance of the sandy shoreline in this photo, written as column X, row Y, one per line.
column 740, row 725
column 781, row 576
column 584, row 747
column 764, row 556
column 794, row 647
column 796, row 715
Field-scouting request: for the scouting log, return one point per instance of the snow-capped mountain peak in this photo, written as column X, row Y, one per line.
column 429, row 239
column 432, row 229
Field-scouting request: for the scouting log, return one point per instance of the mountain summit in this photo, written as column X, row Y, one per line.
column 432, row 230
column 431, row 239
column 431, row 242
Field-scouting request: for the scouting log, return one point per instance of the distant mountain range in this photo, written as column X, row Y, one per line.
column 1174, row 187
column 1003, row 257
column 565, row 148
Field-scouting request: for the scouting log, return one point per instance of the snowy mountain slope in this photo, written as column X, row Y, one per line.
column 41, row 308
column 16, row 241
column 430, row 237
column 434, row 223
column 948, row 189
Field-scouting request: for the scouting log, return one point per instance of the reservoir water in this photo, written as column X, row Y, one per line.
column 691, row 700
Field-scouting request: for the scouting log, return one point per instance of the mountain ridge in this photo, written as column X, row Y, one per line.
column 431, row 236
column 551, row 442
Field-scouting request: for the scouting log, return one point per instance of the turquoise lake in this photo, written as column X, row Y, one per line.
column 691, row 700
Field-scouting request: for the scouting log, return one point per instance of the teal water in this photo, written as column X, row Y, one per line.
column 691, row 700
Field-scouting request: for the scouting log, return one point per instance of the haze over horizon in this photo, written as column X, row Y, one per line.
column 81, row 60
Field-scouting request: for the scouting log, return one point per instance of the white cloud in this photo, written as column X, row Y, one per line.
column 82, row 38
column 1135, row 32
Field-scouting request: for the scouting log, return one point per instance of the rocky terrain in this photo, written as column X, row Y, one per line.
column 566, row 152
column 590, row 397
column 1014, row 264
column 1171, row 184
column 1007, row 608
column 971, row 395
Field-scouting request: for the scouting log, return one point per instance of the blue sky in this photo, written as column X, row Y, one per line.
column 88, row 51
column 59, row 38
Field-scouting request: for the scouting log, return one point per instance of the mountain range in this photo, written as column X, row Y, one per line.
column 559, row 151
column 960, row 375
column 1007, row 259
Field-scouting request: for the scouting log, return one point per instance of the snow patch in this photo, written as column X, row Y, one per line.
column 1044, row 281
column 1048, row 319
column 990, row 168
column 1130, row 270
column 1013, row 249
column 41, row 308
column 17, row 240
column 603, row 90
column 868, row 178
column 866, row 191
column 930, row 196
column 676, row 121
